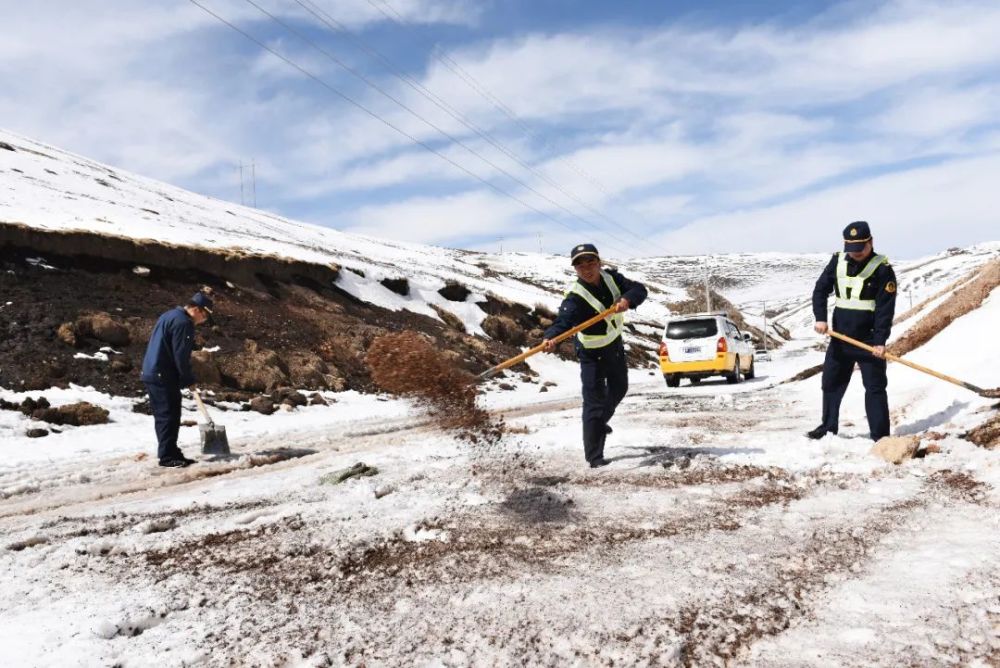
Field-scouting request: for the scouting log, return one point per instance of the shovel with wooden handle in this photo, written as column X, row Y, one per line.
column 913, row 365
column 213, row 437
column 489, row 373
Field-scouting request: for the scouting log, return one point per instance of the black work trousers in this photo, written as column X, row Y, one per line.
column 837, row 369
column 605, row 381
column 165, row 400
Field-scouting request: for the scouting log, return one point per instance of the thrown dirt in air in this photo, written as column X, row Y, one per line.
column 407, row 364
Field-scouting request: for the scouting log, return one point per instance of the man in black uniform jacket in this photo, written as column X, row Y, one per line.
column 599, row 348
column 865, row 289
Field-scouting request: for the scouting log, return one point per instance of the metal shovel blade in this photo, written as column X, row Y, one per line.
column 213, row 439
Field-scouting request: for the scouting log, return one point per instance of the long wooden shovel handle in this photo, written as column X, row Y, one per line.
column 541, row 346
column 912, row 365
column 201, row 406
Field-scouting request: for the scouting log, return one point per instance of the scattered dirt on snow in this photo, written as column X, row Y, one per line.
column 408, row 364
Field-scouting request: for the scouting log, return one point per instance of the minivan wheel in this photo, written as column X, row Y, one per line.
column 673, row 380
column 736, row 376
column 752, row 372
column 695, row 380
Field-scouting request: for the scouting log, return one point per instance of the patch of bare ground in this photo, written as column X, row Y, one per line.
column 804, row 374
column 987, row 434
column 909, row 313
column 964, row 299
column 276, row 322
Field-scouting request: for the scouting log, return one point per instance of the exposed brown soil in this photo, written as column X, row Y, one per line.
column 964, row 299
column 407, row 363
column 987, row 434
column 286, row 312
column 805, row 373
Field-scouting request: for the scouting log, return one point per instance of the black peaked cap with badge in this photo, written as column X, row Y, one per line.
column 856, row 235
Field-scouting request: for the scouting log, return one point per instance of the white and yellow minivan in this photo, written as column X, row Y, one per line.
column 700, row 345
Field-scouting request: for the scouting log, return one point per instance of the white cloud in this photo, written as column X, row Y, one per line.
column 911, row 212
column 672, row 121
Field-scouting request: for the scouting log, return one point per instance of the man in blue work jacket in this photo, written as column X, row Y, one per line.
column 864, row 286
column 603, row 368
column 166, row 369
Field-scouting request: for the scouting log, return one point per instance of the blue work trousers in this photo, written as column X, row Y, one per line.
column 604, row 373
column 837, row 369
column 165, row 400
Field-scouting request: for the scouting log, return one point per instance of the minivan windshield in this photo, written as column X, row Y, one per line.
column 699, row 328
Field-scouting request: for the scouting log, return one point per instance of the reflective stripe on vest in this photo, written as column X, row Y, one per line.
column 850, row 286
column 616, row 323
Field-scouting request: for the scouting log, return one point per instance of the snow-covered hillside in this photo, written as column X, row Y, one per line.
column 50, row 189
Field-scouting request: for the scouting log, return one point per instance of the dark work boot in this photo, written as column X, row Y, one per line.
column 819, row 432
column 598, row 463
column 176, row 462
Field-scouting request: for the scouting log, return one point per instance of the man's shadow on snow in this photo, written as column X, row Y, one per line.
column 934, row 420
column 668, row 456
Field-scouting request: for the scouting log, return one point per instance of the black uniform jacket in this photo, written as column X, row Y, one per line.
column 872, row 328
column 574, row 310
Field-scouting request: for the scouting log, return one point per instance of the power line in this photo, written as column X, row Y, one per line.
column 388, row 123
column 338, row 27
column 471, row 81
column 354, row 72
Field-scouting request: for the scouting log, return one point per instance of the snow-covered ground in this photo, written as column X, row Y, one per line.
column 719, row 531
column 719, row 535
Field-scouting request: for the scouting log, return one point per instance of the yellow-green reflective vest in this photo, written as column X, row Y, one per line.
column 849, row 287
column 616, row 323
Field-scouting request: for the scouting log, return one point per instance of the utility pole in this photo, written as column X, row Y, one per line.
column 253, row 181
column 242, row 196
column 708, row 290
column 539, row 241
column 764, row 304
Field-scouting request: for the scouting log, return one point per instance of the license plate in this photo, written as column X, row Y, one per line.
column 692, row 350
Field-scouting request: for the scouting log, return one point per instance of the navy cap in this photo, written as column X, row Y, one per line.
column 202, row 300
column 582, row 250
column 856, row 235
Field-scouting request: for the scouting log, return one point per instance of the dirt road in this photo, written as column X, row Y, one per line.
column 691, row 549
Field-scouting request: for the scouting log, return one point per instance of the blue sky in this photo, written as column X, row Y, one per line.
column 646, row 127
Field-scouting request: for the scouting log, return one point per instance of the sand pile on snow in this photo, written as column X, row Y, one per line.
column 407, row 364
column 964, row 299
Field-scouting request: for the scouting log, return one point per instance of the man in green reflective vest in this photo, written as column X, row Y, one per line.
column 864, row 285
column 599, row 348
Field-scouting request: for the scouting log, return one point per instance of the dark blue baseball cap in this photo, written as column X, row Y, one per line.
column 201, row 300
column 582, row 250
column 856, row 235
